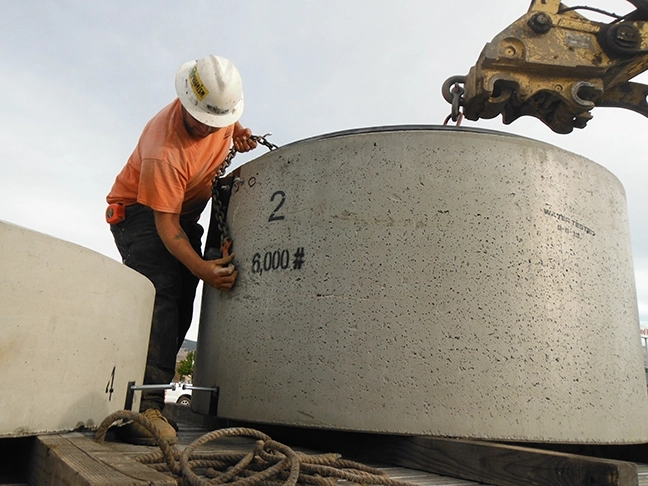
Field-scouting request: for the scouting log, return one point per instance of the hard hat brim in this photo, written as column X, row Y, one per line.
column 190, row 103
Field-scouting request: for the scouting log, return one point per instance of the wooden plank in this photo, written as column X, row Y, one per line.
column 75, row 460
column 505, row 465
column 621, row 452
column 480, row 461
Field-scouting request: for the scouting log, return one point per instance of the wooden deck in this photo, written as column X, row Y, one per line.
column 189, row 433
column 75, row 459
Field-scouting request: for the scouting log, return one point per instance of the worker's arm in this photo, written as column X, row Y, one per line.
column 219, row 273
column 242, row 138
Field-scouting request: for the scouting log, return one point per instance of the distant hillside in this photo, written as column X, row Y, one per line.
column 189, row 345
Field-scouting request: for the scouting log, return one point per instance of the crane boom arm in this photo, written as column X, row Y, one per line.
column 556, row 65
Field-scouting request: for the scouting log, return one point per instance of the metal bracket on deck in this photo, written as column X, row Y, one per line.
column 130, row 394
column 213, row 401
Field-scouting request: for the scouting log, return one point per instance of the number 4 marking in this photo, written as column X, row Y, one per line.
column 111, row 384
column 282, row 199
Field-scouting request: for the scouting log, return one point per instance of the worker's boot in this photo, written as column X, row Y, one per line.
column 136, row 433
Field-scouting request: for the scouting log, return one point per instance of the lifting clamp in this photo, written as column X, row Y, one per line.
column 556, row 65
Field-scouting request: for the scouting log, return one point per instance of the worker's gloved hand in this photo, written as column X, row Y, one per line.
column 223, row 273
column 243, row 140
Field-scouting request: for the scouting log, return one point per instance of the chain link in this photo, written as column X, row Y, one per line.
column 453, row 92
column 217, row 207
column 455, row 114
column 263, row 141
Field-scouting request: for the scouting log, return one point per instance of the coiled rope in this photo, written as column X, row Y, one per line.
column 269, row 463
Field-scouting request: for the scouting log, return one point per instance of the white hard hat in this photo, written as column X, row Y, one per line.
column 211, row 90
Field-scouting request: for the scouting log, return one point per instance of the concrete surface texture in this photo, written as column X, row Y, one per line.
column 429, row 280
column 74, row 327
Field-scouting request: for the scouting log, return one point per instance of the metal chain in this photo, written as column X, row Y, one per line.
column 453, row 92
column 455, row 114
column 263, row 141
column 217, row 206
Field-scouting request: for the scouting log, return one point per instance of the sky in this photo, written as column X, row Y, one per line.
column 79, row 80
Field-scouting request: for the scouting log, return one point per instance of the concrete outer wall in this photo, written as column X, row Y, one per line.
column 68, row 318
column 453, row 283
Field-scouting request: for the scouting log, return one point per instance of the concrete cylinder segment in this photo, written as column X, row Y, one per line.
column 428, row 280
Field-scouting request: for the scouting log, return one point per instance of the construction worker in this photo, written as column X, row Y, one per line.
column 155, row 204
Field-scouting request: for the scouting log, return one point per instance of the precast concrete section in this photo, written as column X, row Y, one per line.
column 74, row 329
column 428, row 280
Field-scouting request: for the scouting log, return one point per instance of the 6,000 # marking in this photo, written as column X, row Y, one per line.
column 278, row 260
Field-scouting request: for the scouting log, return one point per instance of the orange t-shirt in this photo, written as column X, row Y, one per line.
column 169, row 170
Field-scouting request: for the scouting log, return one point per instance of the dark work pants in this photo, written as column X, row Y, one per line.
column 142, row 250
